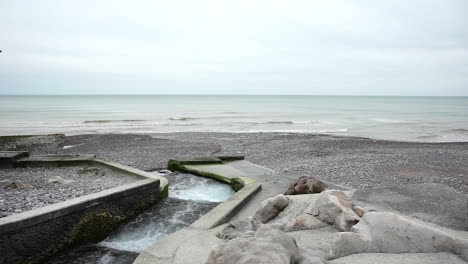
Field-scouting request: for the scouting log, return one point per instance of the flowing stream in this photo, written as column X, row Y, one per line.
column 190, row 197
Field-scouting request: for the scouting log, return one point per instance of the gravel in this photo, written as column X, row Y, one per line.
column 371, row 166
column 354, row 162
column 77, row 181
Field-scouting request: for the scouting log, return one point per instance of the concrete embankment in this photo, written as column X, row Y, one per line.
column 32, row 236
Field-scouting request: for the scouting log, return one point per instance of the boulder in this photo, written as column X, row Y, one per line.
column 306, row 185
column 334, row 207
column 270, row 208
column 18, row 185
column 384, row 232
column 269, row 245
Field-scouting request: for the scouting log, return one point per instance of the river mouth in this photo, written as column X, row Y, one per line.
column 190, row 197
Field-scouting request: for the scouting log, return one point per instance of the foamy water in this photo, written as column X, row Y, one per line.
column 190, row 198
column 428, row 119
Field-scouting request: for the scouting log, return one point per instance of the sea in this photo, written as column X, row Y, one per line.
column 415, row 119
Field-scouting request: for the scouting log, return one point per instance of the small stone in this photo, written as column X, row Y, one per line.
column 58, row 179
column 359, row 210
column 19, row 185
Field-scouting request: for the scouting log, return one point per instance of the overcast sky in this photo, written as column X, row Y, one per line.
column 360, row 47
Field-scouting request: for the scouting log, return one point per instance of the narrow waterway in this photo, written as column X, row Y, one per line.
column 190, row 197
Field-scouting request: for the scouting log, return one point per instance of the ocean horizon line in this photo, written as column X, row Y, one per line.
column 318, row 95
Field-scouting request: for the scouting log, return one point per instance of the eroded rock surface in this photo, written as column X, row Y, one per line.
column 269, row 245
column 334, row 207
column 270, row 208
column 384, row 232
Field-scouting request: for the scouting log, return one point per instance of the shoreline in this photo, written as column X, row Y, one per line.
column 336, row 135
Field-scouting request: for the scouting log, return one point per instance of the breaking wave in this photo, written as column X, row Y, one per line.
column 393, row 121
column 113, row 121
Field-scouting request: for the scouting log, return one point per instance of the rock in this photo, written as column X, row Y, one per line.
column 383, row 232
column 58, row 179
column 306, row 185
column 239, row 228
column 303, row 222
column 296, row 207
column 334, row 207
column 359, row 210
column 91, row 171
column 270, row 208
column 19, row 185
column 269, row 245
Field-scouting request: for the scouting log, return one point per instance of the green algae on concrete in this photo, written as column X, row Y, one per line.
column 198, row 169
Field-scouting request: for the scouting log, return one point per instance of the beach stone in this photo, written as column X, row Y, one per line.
column 58, row 179
column 384, row 232
column 334, row 207
column 270, row 208
column 359, row 210
column 306, row 185
column 19, row 185
column 269, row 245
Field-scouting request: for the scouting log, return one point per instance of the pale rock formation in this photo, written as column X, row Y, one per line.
column 303, row 222
column 270, row 208
column 334, row 207
column 269, row 245
column 384, row 232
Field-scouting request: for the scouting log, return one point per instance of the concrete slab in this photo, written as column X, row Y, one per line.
column 223, row 212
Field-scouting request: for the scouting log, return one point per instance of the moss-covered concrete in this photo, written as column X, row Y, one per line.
column 186, row 166
column 176, row 165
column 231, row 157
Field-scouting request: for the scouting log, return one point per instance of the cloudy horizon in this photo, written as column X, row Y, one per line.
column 244, row 47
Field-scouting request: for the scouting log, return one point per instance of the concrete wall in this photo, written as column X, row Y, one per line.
column 32, row 236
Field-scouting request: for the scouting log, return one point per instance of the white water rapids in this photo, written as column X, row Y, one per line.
column 190, row 197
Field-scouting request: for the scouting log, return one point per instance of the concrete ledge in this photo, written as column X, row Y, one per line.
column 192, row 244
column 164, row 183
column 8, row 158
column 33, row 236
column 36, row 216
column 54, row 160
column 223, row 212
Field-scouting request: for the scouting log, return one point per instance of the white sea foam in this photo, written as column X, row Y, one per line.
column 191, row 195
column 393, row 121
